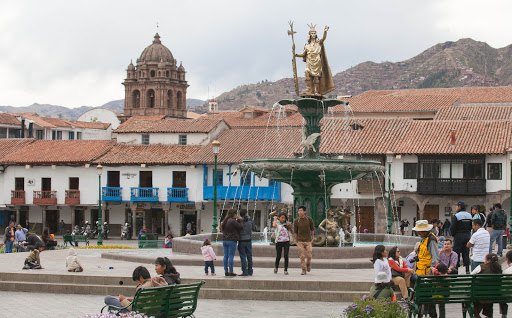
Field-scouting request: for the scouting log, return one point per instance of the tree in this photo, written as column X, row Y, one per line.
column 258, row 94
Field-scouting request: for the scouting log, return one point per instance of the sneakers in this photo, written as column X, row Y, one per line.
column 232, row 274
column 243, row 274
column 275, row 270
column 309, row 267
column 206, row 274
column 286, row 272
column 227, row 274
column 303, row 272
column 213, row 274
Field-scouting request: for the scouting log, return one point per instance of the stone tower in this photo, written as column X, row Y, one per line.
column 213, row 106
column 156, row 86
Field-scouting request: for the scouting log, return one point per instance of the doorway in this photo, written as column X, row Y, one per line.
column 46, row 184
column 79, row 218
column 188, row 217
column 146, row 179
column 73, row 183
column 52, row 220
column 19, row 184
column 430, row 212
column 113, row 179
column 365, row 219
column 179, row 179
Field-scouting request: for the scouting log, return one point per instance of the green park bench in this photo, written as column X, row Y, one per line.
column 165, row 301
column 461, row 289
column 67, row 238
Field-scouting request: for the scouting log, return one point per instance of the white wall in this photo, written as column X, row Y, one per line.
column 497, row 185
column 100, row 115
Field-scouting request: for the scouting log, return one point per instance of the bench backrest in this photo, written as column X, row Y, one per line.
column 183, row 300
column 495, row 287
column 67, row 237
column 443, row 289
column 80, row 237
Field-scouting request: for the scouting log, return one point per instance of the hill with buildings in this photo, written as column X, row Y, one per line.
column 451, row 64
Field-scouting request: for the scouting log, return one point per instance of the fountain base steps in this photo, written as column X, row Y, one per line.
column 302, row 288
column 262, row 262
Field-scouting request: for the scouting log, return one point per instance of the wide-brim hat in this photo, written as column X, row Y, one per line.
column 422, row 225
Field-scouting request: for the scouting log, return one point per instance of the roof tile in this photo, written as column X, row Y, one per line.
column 169, row 125
column 149, row 154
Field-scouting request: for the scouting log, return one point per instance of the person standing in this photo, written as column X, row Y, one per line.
column 9, row 237
column 282, row 233
column 499, row 224
column 304, row 230
column 20, row 236
column 245, row 244
column 62, row 226
column 480, row 242
column 208, row 256
column 461, row 231
column 413, row 233
column 446, row 228
column 428, row 253
column 230, row 227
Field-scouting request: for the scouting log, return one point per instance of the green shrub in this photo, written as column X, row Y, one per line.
column 376, row 308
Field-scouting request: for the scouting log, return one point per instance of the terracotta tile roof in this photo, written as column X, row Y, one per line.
column 474, row 113
column 149, row 154
column 40, row 121
column 254, row 109
column 169, row 125
column 193, row 115
column 376, row 137
column 467, row 95
column 58, row 152
column 472, row 137
column 8, row 146
column 9, row 119
column 392, row 103
column 90, row 125
column 237, row 120
column 139, row 118
column 239, row 144
column 57, row 122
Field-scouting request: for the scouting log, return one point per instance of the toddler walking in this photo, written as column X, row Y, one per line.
column 209, row 256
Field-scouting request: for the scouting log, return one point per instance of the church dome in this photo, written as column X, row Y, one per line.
column 156, row 52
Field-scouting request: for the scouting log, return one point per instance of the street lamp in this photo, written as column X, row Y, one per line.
column 100, row 238
column 216, row 147
column 389, row 159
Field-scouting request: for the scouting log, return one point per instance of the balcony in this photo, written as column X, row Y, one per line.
column 72, row 197
column 111, row 194
column 17, row 197
column 45, row 197
column 270, row 193
column 452, row 186
column 177, row 194
column 144, row 195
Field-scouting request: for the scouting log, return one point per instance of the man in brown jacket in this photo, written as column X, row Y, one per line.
column 304, row 234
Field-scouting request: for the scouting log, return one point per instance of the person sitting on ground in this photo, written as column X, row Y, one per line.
column 208, row 256
column 448, row 257
column 72, row 262
column 400, row 273
column 49, row 242
column 143, row 278
column 164, row 268
column 33, row 260
column 490, row 266
column 383, row 288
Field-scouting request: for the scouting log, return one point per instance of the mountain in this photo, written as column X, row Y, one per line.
column 47, row 110
column 450, row 64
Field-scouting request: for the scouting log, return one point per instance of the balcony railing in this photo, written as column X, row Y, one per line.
column 45, row 197
column 112, row 194
column 452, row 186
column 72, row 197
column 17, row 197
column 244, row 192
column 144, row 195
column 177, row 194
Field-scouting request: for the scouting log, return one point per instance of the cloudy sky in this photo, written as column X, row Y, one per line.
column 75, row 53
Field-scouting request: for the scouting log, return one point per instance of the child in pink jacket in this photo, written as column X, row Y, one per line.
column 209, row 256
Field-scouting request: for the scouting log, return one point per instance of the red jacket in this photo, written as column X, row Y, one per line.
column 396, row 267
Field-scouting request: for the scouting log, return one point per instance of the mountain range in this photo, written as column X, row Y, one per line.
column 465, row 62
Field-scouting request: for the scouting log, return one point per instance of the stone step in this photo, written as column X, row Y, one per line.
column 61, row 288
column 280, row 295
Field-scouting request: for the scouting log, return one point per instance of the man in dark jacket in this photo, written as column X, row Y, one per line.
column 461, row 231
column 499, row 225
column 9, row 237
column 245, row 244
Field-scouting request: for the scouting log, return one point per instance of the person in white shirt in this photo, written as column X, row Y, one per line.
column 508, row 270
column 380, row 262
column 480, row 243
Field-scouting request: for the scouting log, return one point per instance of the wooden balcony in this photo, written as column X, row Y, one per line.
column 45, row 197
column 17, row 197
column 177, row 194
column 72, row 197
column 452, row 186
column 139, row 194
column 113, row 194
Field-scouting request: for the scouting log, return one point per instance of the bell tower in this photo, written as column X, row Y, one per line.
column 155, row 86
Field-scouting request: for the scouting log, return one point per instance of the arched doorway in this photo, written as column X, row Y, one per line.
column 136, row 99
column 151, row 98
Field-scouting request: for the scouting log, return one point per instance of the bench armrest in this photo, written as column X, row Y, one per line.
column 109, row 308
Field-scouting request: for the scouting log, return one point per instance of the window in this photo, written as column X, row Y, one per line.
column 494, row 171
column 220, row 177
column 182, row 140
column 74, row 183
column 152, row 73
column 59, row 135
column 145, row 139
column 14, row 133
column 71, row 135
column 78, row 135
column 245, row 178
column 39, row 134
column 410, row 170
column 429, row 170
column 474, row 170
column 3, row 133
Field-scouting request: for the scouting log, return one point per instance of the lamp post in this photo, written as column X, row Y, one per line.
column 216, row 147
column 100, row 224
column 389, row 159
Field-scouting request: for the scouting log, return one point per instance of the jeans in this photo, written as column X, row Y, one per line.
column 229, row 253
column 460, row 247
column 113, row 301
column 497, row 235
column 20, row 248
column 245, row 251
column 447, row 232
column 475, row 264
column 209, row 264
column 279, row 250
column 8, row 246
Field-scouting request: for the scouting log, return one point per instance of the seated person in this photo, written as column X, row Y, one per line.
column 48, row 240
column 33, row 260
column 72, row 263
column 382, row 288
column 143, row 278
column 448, row 257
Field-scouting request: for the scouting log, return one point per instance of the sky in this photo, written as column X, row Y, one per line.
column 75, row 53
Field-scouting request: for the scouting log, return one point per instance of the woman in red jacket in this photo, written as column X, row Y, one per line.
column 400, row 273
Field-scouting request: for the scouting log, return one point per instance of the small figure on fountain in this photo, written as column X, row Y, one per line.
column 341, row 216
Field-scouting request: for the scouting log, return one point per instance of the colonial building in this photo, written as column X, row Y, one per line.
column 157, row 85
